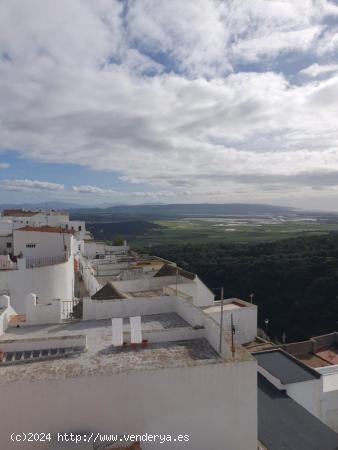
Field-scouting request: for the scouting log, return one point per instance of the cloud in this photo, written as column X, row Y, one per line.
column 93, row 190
column 97, row 191
column 28, row 185
column 177, row 97
column 317, row 69
column 4, row 165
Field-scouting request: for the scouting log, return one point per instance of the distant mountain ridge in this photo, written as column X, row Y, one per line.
column 151, row 212
column 161, row 210
column 41, row 206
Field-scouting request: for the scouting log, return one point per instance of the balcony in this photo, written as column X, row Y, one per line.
column 41, row 261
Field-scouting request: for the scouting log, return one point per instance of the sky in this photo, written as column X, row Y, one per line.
column 140, row 101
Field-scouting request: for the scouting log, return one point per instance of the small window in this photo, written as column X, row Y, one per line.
column 30, row 245
column 80, row 227
column 9, row 245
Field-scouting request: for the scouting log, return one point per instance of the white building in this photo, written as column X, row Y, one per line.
column 177, row 381
column 147, row 355
column 38, row 258
column 320, row 353
column 177, row 374
column 241, row 314
column 12, row 219
column 99, row 249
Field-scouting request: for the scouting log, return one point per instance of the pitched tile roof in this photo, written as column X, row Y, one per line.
column 18, row 213
column 168, row 271
column 45, row 229
column 108, row 292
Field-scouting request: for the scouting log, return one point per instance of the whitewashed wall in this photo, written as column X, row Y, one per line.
column 47, row 244
column 107, row 309
column 330, row 395
column 6, row 226
column 308, row 394
column 330, row 408
column 169, row 335
column 197, row 290
column 103, row 268
column 216, row 404
column 244, row 320
column 5, row 314
column 48, row 283
column 42, row 313
column 50, row 219
column 89, row 279
column 93, row 248
column 43, row 343
column 145, row 284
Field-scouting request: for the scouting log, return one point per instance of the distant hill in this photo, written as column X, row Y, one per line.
column 172, row 211
column 109, row 231
column 64, row 206
column 156, row 211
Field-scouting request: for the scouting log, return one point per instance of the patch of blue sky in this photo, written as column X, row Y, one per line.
column 66, row 174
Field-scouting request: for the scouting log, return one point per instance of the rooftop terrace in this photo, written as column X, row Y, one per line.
column 319, row 351
column 101, row 357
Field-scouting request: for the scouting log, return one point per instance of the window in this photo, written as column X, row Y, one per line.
column 30, row 245
column 80, row 227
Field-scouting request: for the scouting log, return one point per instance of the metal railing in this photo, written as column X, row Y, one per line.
column 40, row 261
column 8, row 265
column 71, row 309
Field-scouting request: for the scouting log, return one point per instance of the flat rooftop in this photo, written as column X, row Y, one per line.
column 284, row 367
column 230, row 304
column 146, row 293
column 217, row 309
column 324, row 357
column 101, row 357
column 259, row 344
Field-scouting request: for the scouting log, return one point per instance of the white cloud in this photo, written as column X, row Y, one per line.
column 76, row 88
column 97, row 191
column 4, row 165
column 328, row 44
column 28, row 185
column 317, row 69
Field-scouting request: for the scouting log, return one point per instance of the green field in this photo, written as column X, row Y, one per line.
column 201, row 231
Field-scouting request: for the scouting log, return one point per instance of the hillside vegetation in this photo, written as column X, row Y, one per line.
column 111, row 230
column 295, row 281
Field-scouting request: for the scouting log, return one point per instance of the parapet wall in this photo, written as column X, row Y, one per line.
column 170, row 335
column 107, row 309
column 313, row 345
column 41, row 343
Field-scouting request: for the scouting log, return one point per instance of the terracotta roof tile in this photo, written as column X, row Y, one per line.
column 45, row 229
column 18, row 213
